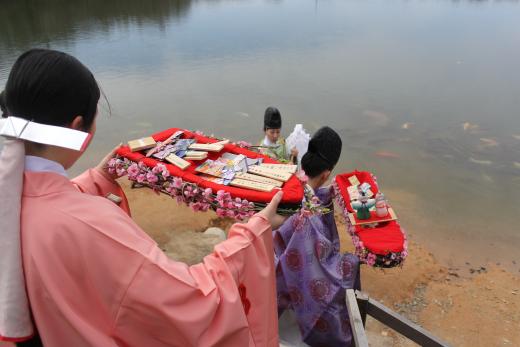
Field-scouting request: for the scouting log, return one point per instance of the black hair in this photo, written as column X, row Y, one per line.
column 272, row 118
column 323, row 152
column 51, row 87
column 3, row 109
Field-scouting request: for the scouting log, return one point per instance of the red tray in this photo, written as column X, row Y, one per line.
column 293, row 190
column 383, row 245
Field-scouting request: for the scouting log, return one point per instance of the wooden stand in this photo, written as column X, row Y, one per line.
column 373, row 219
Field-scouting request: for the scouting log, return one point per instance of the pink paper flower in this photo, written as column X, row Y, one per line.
column 141, row 178
column 177, row 183
column 133, row 171
column 243, row 144
column 120, row 171
column 112, row 162
column 371, row 259
column 207, row 193
column 151, row 177
column 196, row 206
column 302, row 176
column 169, row 189
column 230, row 213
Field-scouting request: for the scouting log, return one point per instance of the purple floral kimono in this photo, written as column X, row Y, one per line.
column 312, row 276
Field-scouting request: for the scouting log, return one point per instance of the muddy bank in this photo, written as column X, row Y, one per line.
column 470, row 305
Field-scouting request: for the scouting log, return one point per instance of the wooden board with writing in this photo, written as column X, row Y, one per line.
column 195, row 158
column 262, row 171
column 141, row 144
column 354, row 180
column 196, row 154
column 282, row 167
column 208, row 147
column 241, row 183
column 177, row 161
column 256, row 178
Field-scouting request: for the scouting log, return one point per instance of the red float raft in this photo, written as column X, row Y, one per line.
column 381, row 244
column 293, row 189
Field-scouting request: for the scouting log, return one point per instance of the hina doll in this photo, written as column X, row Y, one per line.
column 76, row 270
column 312, row 275
column 273, row 143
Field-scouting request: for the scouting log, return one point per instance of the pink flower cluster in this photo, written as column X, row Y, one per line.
column 236, row 208
column 311, row 204
column 199, row 199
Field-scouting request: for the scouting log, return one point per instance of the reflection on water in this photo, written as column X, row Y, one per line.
column 424, row 93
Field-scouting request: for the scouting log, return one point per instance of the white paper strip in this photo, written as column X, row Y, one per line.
column 23, row 129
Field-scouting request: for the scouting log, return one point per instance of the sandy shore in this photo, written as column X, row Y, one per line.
column 466, row 306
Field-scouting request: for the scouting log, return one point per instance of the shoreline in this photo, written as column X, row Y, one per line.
column 463, row 305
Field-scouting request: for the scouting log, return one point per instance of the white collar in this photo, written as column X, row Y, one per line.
column 269, row 143
column 39, row 164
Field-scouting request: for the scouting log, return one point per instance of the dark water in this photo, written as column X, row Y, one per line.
column 433, row 85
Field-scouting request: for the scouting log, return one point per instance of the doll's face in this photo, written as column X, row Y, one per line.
column 272, row 134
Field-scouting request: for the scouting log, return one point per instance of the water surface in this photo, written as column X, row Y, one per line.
column 426, row 94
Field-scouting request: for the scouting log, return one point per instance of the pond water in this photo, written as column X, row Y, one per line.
column 425, row 94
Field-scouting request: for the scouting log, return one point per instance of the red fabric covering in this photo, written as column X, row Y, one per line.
column 383, row 239
column 386, row 237
column 293, row 190
column 343, row 182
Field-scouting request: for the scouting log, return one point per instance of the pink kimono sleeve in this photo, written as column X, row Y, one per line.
column 95, row 182
column 228, row 300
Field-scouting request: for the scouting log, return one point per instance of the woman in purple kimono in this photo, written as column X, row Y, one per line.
column 312, row 273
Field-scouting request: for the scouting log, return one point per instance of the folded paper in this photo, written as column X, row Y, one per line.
column 24, row 129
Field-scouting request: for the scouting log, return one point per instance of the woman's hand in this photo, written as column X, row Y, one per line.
column 269, row 212
column 102, row 166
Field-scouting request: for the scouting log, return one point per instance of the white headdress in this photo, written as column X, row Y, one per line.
column 15, row 316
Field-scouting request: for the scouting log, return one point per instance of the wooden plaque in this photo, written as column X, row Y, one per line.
column 177, row 161
column 140, row 144
column 208, row 147
column 241, row 183
column 256, row 178
column 262, row 171
column 283, row 167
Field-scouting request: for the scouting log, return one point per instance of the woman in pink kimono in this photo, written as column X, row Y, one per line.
column 76, row 270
